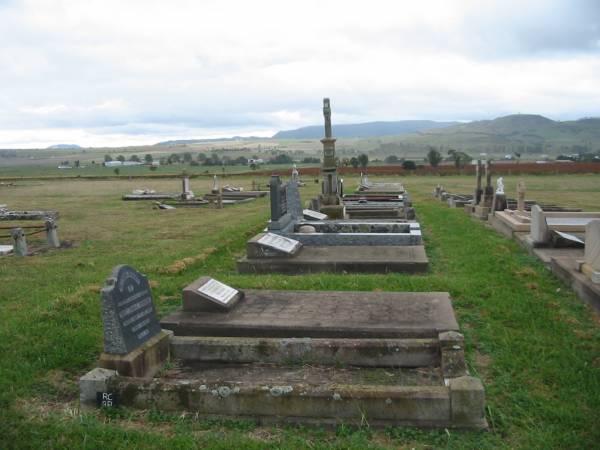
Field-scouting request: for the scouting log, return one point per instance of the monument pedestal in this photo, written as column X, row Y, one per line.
column 142, row 362
column 481, row 212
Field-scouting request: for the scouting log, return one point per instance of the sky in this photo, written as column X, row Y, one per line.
column 116, row 73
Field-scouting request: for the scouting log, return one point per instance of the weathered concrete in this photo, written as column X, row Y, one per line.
column 339, row 258
column 467, row 399
column 452, row 354
column 96, row 380
column 354, row 352
column 566, row 268
column 324, row 314
column 144, row 361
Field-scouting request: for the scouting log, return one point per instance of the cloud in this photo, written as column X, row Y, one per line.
column 100, row 71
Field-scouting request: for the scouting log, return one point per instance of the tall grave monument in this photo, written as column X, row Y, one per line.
column 330, row 201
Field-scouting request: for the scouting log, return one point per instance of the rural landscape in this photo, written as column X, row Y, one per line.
column 351, row 227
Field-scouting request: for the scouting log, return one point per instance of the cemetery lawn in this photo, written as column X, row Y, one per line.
column 534, row 344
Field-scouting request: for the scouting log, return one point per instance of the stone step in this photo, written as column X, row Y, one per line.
column 355, row 352
column 326, row 395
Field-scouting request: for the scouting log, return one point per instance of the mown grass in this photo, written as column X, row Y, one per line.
column 530, row 339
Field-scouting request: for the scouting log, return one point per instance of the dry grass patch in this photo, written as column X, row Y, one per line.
column 182, row 264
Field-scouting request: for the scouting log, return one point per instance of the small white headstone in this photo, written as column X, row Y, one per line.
column 280, row 243
column 6, row 249
column 309, row 214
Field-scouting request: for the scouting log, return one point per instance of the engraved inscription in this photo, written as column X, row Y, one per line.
column 218, row 291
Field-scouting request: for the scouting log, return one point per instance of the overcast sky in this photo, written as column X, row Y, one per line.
column 137, row 72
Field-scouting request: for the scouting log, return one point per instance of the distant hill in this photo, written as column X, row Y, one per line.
column 63, row 147
column 532, row 132
column 202, row 141
column 364, row 130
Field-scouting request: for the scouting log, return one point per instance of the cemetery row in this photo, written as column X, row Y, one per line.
column 297, row 356
column 566, row 239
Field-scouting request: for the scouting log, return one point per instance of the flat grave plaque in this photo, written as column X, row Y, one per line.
column 217, row 291
column 314, row 215
column 127, row 311
column 208, row 294
column 280, row 243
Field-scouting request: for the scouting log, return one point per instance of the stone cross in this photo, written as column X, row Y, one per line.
column 20, row 243
column 327, row 114
column 128, row 311
column 521, row 196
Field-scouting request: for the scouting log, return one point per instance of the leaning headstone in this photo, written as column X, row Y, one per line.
column 127, row 311
column 20, row 242
column 592, row 249
column 52, row 233
column 208, row 294
column 540, row 232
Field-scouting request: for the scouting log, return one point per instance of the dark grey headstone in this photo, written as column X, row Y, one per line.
column 127, row 311
column 294, row 203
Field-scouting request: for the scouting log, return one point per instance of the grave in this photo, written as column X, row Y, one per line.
column 48, row 224
column 582, row 273
column 309, row 357
column 378, row 200
column 134, row 343
column 331, row 245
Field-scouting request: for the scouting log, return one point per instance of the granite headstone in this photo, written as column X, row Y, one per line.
column 127, row 311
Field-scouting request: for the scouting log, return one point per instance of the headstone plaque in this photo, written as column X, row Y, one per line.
column 208, row 294
column 127, row 311
column 309, row 214
column 280, row 243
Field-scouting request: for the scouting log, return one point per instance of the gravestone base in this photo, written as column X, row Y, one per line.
column 142, row 362
column 333, row 211
column 567, row 269
column 501, row 227
column 481, row 212
column 341, row 258
column 468, row 208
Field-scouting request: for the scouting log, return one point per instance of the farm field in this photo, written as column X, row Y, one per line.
column 534, row 344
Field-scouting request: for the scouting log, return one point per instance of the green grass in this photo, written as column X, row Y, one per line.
column 531, row 340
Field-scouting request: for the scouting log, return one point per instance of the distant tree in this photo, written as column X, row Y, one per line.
column 240, row 161
column 311, row 160
column 201, row 157
column 392, row 159
column 253, row 166
column 518, row 156
column 148, row 158
column 117, row 171
column 434, row 157
column 121, row 158
column 153, row 168
column 107, row 158
column 345, row 162
column 134, row 158
column 77, row 163
column 64, row 163
column 282, row 158
column 460, row 158
column 354, row 162
column 408, row 165
column 363, row 160
column 187, row 157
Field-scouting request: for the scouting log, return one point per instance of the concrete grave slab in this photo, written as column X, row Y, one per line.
column 324, row 314
column 340, row 258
